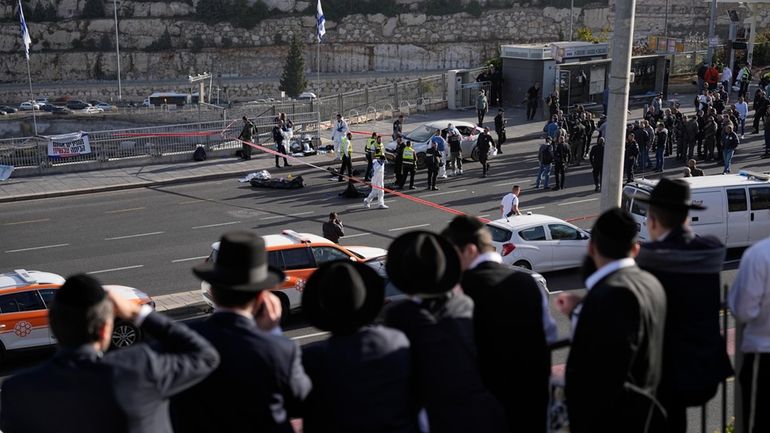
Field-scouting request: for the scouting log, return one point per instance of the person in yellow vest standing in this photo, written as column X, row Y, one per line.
column 347, row 156
column 407, row 164
column 369, row 152
column 379, row 148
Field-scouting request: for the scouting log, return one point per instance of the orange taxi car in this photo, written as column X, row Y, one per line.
column 298, row 255
column 24, row 300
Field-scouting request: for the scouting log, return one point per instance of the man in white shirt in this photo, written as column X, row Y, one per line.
column 510, row 204
column 727, row 79
column 747, row 300
column 340, row 130
column 743, row 111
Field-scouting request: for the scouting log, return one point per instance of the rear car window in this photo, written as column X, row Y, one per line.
column 533, row 234
column 499, row 234
column 297, row 258
column 736, row 200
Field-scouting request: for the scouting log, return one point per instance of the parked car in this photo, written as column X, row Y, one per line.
column 29, row 105
column 60, row 110
column 92, row 110
column 103, row 105
column 76, row 104
column 541, row 243
column 24, row 300
column 41, row 100
column 8, row 109
column 422, row 134
column 306, row 96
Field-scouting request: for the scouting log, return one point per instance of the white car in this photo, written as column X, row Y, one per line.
column 541, row 243
column 104, row 106
column 93, row 110
column 306, row 95
column 41, row 100
column 422, row 134
column 29, row 105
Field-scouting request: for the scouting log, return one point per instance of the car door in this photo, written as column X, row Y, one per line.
column 737, row 227
column 297, row 263
column 24, row 320
column 571, row 245
column 324, row 254
column 535, row 248
column 759, row 216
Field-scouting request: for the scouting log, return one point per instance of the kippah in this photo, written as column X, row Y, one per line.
column 80, row 291
column 616, row 224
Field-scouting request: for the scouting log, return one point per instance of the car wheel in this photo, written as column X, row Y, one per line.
column 475, row 153
column 523, row 264
column 285, row 306
column 125, row 334
column 420, row 161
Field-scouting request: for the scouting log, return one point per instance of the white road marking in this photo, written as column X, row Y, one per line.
column 511, row 182
column 407, row 228
column 302, row 337
column 217, row 225
column 444, row 193
column 482, row 216
column 578, row 201
column 37, row 248
column 27, row 222
column 115, row 269
column 125, row 210
column 284, row 216
column 356, row 235
column 191, row 201
column 532, row 208
column 133, row 236
column 188, row 259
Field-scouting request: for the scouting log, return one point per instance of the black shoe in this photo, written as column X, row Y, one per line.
column 277, row 166
column 412, row 187
column 435, row 188
column 556, row 188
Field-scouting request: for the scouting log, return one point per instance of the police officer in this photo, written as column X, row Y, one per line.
column 245, row 136
column 347, row 156
column 398, row 163
column 432, row 162
column 407, row 165
column 369, row 152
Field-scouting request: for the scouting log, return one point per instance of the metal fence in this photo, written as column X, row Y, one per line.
column 148, row 143
column 686, row 63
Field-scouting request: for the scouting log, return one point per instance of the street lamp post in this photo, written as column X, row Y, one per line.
column 117, row 48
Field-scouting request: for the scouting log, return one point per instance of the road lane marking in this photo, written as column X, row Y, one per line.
column 407, row 228
column 216, row 225
column 37, row 248
column 125, row 210
column 482, row 216
column 284, row 216
column 317, row 334
column 189, row 259
column 15, row 223
column 115, row 269
column 191, row 201
column 444, row 193
column 532, row 208
column 356, row 235
column 577, row 201
column 133, row 236
column 511, row 182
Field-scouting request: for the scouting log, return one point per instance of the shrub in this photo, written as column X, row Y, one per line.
column 197, row 44
column 474, row 8
column 162, row 44
column 93, row 9
column 334, row 10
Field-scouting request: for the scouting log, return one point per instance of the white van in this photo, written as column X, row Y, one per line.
column 737, row 206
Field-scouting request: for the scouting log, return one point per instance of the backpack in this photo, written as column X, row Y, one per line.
column 547, row 156
column 200, row 153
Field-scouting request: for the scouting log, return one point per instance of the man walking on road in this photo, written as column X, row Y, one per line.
column 509, row 206
column 484, row 143
column 333, row 229
column 481, row 106
column 596, row 157
column 561, row 157
column 398, row 127
column 454, row 138
column 632, row 152
column 545, row 158
column 500, row 129
column 533, row 94
column 432, row 162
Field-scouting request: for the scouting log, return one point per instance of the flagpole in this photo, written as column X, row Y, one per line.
column 31, row 98
column 27, row 41
column 117, row 48
column 318, row 69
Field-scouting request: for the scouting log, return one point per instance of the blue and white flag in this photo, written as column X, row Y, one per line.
column 25, row 39
column 320, row 22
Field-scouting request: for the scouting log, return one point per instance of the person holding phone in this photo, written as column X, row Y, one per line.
column 333, row 229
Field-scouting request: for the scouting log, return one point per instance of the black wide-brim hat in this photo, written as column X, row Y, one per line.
column 341, row 296
column 423, row 263
column 241, row 265
column 671, row 193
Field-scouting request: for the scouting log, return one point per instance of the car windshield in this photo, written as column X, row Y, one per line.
column 420, row 134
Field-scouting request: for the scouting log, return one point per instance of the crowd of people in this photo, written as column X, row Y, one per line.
column 467, row 351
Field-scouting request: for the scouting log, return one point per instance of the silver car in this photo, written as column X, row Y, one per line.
column 422, row 134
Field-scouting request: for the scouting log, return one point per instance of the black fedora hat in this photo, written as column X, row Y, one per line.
column 421, row 262
column 342, row 296
column 671, row 193
column 241, row 264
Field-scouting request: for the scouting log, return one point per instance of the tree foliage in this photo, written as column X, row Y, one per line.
column 44, row 12
column 293, row 80
column 237, row 12
column 93, row 9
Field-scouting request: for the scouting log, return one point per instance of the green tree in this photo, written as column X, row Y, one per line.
column 105, row 43
column 293, row 80
column 93, row 9
column 214, row 11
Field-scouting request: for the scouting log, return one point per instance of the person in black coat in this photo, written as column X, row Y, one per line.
column 361, row 374
column 508, row 306
column 246, row 136
column 614, row 364
column 561, row 157
column 267, row 368
column 484, row 143
column 500, row 123
column 84, row 388
column 432, row 163
column 439, row 324
column 695, row 359
column 596, row 157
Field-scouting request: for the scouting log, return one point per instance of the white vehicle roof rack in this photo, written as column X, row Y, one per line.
column 296, row 236
column 755, row 175
column 25, row 276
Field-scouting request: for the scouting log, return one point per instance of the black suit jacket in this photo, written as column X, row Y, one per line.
column 126, row 390
column 447, row 382
column 513, row 355
column 361, row 383
column 268, row 368
column 614, row 363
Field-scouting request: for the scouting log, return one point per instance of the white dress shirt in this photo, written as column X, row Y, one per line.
column 749, row 295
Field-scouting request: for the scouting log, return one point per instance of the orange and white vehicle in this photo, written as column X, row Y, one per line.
column 24, row 300
column 298, row 255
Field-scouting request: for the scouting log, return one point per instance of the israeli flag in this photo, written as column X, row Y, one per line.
column 320, row 22
column 25, row 39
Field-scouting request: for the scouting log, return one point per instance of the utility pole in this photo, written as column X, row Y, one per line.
column 117, row 48
column 712, row 30
column 571, row 17
column 617, row 106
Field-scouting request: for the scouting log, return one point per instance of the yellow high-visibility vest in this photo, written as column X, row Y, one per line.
column 370, row 144
column 408, row 155
column 379, row 150
column 349, row 146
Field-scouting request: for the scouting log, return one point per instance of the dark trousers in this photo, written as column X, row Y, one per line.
column 629, row 169
column 408, row 169
column 744, row 89
column 280, row 148
column 559, row 174
column 481, row 114
column 246, row 149
column 432, row 174
column 369, row 167
column 709, row 143
column 346, row 165
column 484, row 164
column 755, row 388
column 500, row 139
column 597, row 173
column 531, row 108
column 757, row 117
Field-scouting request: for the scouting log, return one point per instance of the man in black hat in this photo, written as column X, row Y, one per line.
column 266, row 367
column 508, row 306
column 500, row 129
column 614, row 363
column 361, row 374
column 695, row 360
column 439, row 324
column 84, row 388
